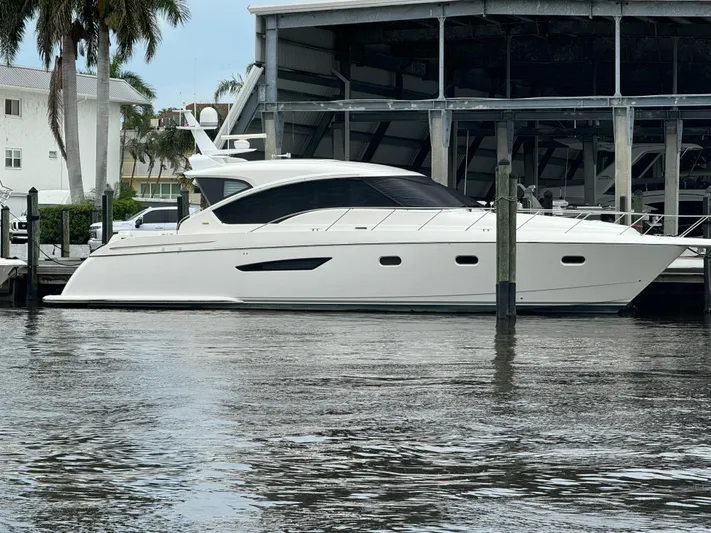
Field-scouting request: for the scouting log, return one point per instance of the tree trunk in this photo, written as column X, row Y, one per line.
column 71, row 120
column 133, row 170
column 160, row 171
column 122, row 155
column 103, row 65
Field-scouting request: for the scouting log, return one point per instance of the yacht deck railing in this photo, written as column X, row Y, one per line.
column 635, row 222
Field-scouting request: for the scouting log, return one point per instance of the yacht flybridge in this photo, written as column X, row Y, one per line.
column 334, row 235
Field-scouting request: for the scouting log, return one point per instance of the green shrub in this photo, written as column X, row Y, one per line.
column 79, row 221
column 125, row 209
column 80, row 217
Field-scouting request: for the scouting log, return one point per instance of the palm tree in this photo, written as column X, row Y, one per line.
column 131, row 21
column 57, row 26
column 231, row 86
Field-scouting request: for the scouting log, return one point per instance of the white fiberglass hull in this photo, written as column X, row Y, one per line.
column 342, row 270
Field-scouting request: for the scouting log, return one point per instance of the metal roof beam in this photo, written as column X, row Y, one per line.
column 496, row 104
column 370, row 12
column 375, row 141
column 318, row 134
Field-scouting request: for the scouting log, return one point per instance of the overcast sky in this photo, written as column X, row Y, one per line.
column 217, row 41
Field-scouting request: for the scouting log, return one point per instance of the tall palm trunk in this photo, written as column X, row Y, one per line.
column 122, row 155
column 160, row 172
column 133, row 171
column 71, row 119
column 103, row 65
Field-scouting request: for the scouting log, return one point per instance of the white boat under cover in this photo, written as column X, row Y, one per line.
column 334, row 235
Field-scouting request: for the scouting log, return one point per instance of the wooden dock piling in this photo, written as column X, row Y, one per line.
column 33, row 246
column 64, row 226
column 5, row 232
column 107, row 215
column 707, row 254
column 505, row 246
column 184, row 210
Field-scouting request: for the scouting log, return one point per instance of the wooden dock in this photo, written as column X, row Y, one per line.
column 52, row 275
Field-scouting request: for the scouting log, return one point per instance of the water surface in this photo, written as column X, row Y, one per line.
column 227, row 421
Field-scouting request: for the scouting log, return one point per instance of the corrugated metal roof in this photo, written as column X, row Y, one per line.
column 38, row 79
column 327, row 5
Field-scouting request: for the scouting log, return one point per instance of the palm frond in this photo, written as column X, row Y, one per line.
column 229, row 86
column 55, row 109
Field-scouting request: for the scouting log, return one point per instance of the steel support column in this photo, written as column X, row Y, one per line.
column 618, row 56
column 440, row 131
column 623, row 123
column 441, row 58
column 590, row 171
column 672, row 149
column 452, row 180
column 273, row 121
column 530, row 159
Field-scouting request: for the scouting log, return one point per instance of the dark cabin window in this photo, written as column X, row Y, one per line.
column 573, row 260
column 390, row 260
column 275, row 204
column 419, row 191
column 153, row 217
column 217, row 189
column 171, row 215
column 309, row 263
column 272, row 205
column 467, row 260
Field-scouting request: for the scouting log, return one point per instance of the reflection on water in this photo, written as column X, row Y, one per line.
column 162, row 421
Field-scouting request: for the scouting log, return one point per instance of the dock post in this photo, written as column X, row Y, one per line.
column 33, row 246
column 548, row 202
column 5, row 236
column 513, row 210
column 184, row 212
column 707, row 254
column 64, row 226
column 107, row 215
column 503, row 245
column 179, row 201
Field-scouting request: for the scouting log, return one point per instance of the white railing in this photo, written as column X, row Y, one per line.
column 636, row 221
column 627, row 220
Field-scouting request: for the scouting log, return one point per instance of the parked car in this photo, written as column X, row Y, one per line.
column 18, row 230
column 150, row 219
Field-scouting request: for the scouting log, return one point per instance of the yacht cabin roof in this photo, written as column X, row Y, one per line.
column 267, row 171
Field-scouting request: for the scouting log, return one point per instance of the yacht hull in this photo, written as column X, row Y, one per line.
column 389, row 275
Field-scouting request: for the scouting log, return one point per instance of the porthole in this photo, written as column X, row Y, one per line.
column 390, row 260
column 573, row 260
column 467, row 260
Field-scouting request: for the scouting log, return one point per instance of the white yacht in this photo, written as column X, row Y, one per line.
column 334, row 235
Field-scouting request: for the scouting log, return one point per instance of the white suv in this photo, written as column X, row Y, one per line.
column 150, row 219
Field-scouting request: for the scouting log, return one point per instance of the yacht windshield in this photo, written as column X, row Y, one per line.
column 279, row 203
column 419, row 191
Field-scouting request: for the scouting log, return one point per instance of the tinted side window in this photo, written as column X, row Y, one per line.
column 419, row 191
column 273, row 204
column 170, row 215
column 153, row 217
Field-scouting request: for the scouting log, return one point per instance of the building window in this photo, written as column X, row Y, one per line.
column 13, row 108
column 160, row 190
column 13, row 158
column 53, row 154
